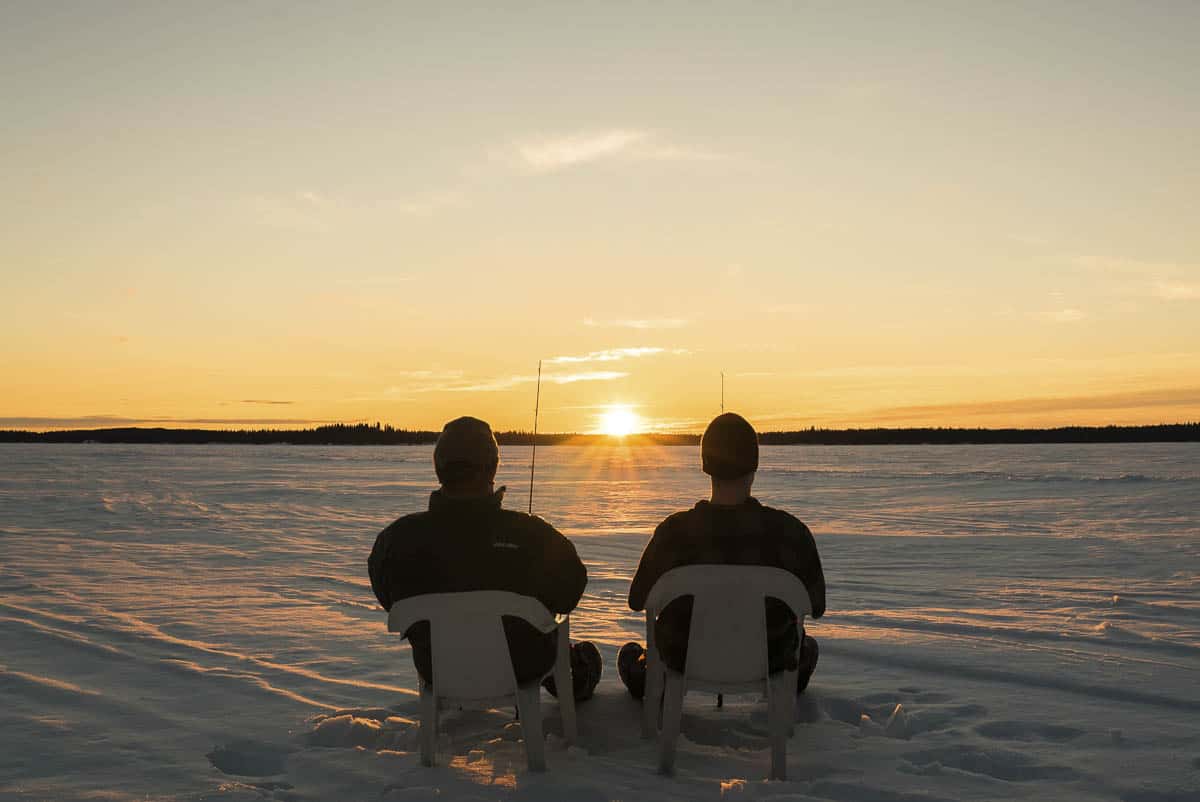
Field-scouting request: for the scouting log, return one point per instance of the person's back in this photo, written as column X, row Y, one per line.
column 473, row 543
column 467, row 541
column 733, row 528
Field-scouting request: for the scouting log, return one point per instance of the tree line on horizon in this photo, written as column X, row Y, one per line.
column 385, row 434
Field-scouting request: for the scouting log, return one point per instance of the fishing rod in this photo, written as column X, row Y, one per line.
column 721, row 696
column 537, row 403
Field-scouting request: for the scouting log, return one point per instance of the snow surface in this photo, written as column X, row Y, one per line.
column 196, row 623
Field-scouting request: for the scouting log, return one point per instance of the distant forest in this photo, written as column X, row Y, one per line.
column 376, row 434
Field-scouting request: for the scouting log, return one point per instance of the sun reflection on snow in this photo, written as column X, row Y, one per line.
column 481, row 768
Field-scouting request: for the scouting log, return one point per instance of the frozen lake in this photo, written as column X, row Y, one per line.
column 194, row 622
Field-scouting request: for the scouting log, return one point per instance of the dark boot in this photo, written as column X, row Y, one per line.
column 631, row 668
column 808, row 662
column 586, row 668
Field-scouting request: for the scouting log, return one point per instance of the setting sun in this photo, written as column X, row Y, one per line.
column 619, row 421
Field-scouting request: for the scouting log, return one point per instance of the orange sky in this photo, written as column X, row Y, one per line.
column 236, row 216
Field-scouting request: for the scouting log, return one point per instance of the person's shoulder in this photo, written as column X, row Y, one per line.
column 414, row 521
column 679, row 521
column 526, row 522
column 784, row 520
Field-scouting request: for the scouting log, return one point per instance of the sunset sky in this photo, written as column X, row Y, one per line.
column 865, row 214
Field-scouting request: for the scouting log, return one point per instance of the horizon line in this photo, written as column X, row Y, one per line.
column 427, row 435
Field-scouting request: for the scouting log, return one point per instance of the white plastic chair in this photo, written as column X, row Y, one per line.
column 727, row 649
column 471, row 663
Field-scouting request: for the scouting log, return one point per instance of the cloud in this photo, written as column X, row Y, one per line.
column 117, row 421
column 263, row 401
column 613, row 355
column 375, row 281
column 640, row 324
column 592, row 376
column 1129, row 267
column 312, row 212
column 429, row 374
column 514, row 381
column 302, row 211
column 677, row 153
column 422, row 205
column 1176, row 290
column 676, row 425
column 1168, row 281
column 1187, row 396
column 454, row 381
column 556, row 153
column 1068, row 315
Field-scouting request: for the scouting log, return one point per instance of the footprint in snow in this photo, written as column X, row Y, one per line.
column 999, row 764
column 248, row 759
column 1027, row 731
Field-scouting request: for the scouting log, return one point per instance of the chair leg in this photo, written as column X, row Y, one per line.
column 781, row 712
column 564, row 684
column 428, row 732
column 531, row 725
column 652, row 695
column 652, row 699
column 793, row 677
column 672, row 716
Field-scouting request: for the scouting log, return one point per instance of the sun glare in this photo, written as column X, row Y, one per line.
column 619, row 421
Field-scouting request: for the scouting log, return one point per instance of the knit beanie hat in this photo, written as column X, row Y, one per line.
column 466, row 448
column 729, row 447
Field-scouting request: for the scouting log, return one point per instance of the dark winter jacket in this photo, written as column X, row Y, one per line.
column 474, row 544
column 743, row 534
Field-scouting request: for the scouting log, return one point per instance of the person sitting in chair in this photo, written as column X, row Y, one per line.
column 467, row 541
column 732, row 528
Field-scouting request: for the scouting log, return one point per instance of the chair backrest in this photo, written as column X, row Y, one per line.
column 728, row 637
column 469, row 649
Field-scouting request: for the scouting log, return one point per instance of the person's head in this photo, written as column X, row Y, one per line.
column 466, row 457
column 729, row 454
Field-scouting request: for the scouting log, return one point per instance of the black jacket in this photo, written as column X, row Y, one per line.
column 475, row 544
column 745, row 534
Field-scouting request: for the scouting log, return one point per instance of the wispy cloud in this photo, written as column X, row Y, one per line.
column 314, row 212
column 1168, row 281
column 1069, row 315
column 555, row 378
column 415, row 381
column 375, row 281
column 269, row 402
column 422, row 205
column 590, row 376
column 1141, row 399
column 429, row 374
column 420, row 382
column 677, row 153
column 1129, row 267
column 1176, row 290
column 300, row 211
column 560, row 152
column 568, row 151
column 614, row 355
column 117, row 421
column 642, row 324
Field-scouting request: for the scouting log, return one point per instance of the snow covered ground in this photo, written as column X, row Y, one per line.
column 196, row 623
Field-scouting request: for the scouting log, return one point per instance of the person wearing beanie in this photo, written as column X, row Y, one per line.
column 731, row 528
column 467, row 541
